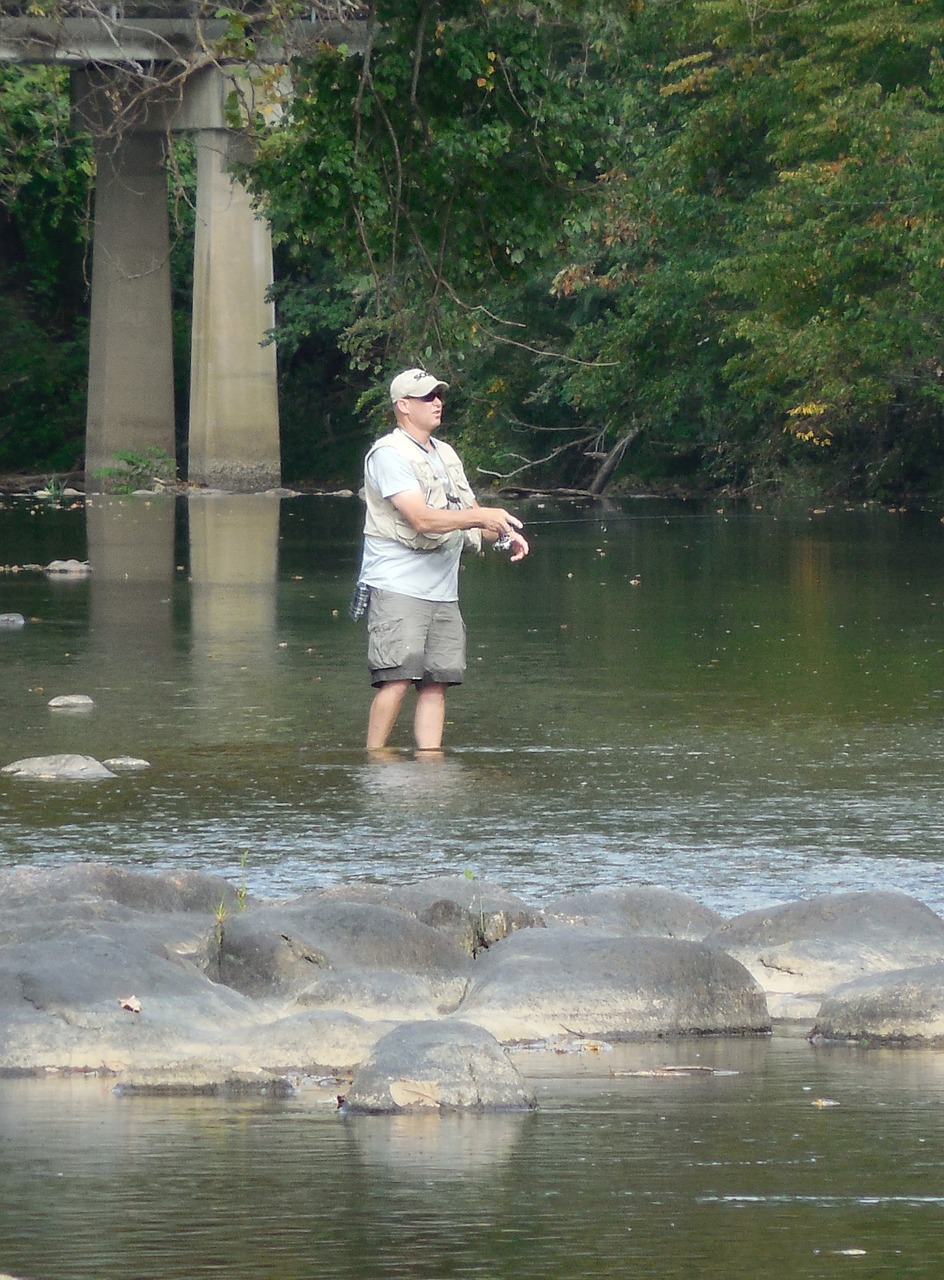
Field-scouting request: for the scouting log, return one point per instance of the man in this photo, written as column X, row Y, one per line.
column 421, row 515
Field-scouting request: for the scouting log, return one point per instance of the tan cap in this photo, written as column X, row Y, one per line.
column 412, row 383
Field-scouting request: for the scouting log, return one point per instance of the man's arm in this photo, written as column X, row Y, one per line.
column 493, row 521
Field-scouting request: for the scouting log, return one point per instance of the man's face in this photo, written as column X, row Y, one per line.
column 424, row 412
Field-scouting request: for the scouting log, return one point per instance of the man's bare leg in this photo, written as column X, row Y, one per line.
column 384, row 711
column 430, row 717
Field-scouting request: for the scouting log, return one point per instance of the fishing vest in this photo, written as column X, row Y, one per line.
column 384, row 520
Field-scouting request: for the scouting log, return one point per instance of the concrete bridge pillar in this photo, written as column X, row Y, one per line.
column 131, row 375
column 234, row 410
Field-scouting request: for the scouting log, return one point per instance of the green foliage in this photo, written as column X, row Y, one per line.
column 135, row 470
column 418, row 193
column 763, row 275
column 44, row 171
column 712, row 230
column 42, row 391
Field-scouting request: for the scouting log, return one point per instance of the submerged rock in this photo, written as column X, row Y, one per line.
column 437, row 1066
column 800, row 951
column 59, row 768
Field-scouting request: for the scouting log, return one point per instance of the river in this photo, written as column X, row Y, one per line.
column 741, row 703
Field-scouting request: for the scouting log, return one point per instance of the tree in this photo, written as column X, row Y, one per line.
column 418, row 195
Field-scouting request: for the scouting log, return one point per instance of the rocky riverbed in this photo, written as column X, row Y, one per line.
column 184, row 981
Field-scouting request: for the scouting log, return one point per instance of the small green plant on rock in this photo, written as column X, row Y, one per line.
column 242, row 892
column 136, row 469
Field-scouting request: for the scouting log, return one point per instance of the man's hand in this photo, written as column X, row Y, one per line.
column 493, row 521
column 519, row 546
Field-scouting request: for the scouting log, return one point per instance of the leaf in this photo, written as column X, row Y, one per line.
column 415, row 1093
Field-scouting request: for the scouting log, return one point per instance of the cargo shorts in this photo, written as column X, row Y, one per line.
column 410, row 639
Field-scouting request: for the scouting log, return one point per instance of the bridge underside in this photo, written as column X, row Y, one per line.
column 234, row 415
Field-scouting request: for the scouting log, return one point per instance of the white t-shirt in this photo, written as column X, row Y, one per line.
column 389, row 565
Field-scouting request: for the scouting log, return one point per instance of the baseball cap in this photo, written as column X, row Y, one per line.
column 414, row 382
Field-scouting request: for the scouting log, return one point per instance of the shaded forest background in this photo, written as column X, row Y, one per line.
column 674, row 244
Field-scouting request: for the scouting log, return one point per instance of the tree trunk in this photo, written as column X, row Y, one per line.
column 612, row 461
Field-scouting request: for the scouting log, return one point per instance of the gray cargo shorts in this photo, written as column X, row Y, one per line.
column 410, row 639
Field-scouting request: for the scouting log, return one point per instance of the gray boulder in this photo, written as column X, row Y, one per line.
column 800, row 951
column 904, row 1007
column 383, row 993
column 58, row 768
column 644, row 909
column 554, row 983
column 107, row 1000
column 41, row 902
column 365, row 958
column 437, row 1066
column 473, row 913
column 314, row 1042
column 126, row 764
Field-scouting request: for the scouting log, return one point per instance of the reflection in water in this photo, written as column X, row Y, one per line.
column 131, row 553
column 662, row 1177
column 234, row 542
column 419, row 1148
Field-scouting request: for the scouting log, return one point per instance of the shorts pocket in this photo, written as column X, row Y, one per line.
column 385, row 644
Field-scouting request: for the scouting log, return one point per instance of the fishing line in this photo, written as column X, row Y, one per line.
column 612, row 519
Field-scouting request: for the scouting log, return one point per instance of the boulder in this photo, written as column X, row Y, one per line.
column 903, row 1007
column 473, row 913
column 106, row 1000
column 59, row 768
column 313, row 1042
column 383, row 994
column 358, row 956
column 37, row 892
column 437, row 1066
column 800, row 951
column 643, row 909
column 550, row 984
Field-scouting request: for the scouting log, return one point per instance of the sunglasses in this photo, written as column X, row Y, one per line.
column 429, row 397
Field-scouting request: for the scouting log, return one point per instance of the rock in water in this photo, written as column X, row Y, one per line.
column 71, row 702
column 67, row 768
column 437, row 1066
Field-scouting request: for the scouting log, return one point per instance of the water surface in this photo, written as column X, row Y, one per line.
column 743, row 705
column 793, row 1163
column 740, row 704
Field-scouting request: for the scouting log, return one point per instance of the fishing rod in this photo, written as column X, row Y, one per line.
column 603, row 518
